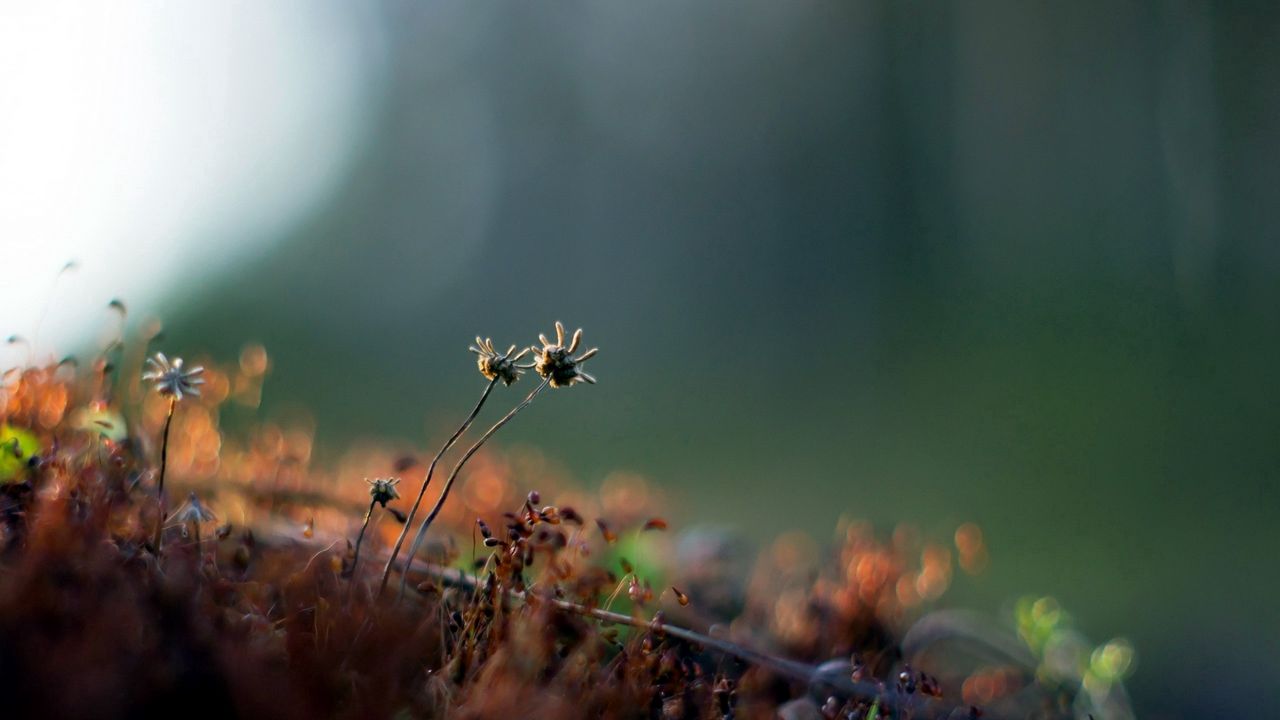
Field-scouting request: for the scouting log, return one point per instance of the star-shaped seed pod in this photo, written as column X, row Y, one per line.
column 556, row 363
column 171, row 379
column 383, row 490
column 499, row 366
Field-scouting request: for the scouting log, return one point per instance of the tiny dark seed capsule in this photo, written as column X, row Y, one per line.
column 534, row 497
column 609, row 536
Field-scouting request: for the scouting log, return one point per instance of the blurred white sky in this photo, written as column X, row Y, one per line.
column 155, row 143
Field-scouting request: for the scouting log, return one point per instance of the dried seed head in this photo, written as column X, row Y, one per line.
column 570, row 516
column 680, row 597
column 171, row 379
column 499, row 366
column 193, row 511
column 383, row 490
column 555, row 361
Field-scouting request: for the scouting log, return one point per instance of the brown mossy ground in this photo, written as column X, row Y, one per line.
column 261, row 614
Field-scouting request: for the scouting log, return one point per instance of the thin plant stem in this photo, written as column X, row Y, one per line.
column 413, row 511
column 355, row 557
column 199, row 546
column 448, row 484
column 164, row 461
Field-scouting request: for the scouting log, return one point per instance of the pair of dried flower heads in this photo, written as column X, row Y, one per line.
column 558, row 366
column 553, row 361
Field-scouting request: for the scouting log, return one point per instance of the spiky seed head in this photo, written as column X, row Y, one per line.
column 499, row 366
column 171, row 378
column 555, row 360
column 383, row 490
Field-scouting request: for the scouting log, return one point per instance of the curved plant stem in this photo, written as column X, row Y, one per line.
column 448, row 484
column 355, row 557
column 408, row 523
column 164, row 461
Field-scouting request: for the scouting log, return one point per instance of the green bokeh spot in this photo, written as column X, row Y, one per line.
column 16, row 448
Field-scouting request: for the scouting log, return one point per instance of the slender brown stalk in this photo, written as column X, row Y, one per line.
column 164, row 461
column 386, row 571
column 448, row 484
column 355, row 557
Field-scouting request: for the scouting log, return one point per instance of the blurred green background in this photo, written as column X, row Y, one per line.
column 1014, row 263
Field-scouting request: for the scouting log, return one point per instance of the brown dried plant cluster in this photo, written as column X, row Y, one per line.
column 250, row 600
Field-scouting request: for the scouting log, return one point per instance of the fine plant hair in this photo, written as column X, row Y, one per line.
column 190, row 516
